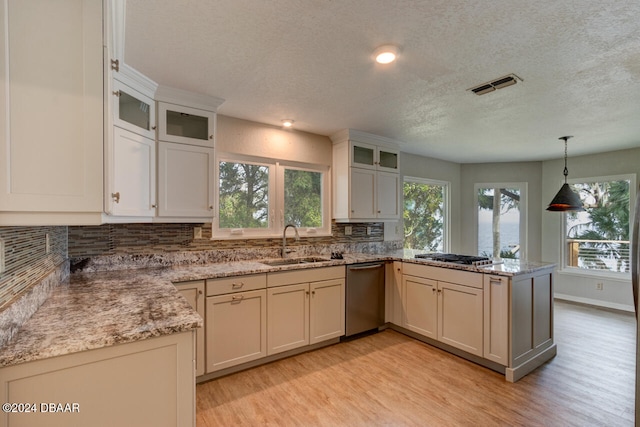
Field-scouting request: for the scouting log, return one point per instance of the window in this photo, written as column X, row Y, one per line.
column 598, row 238
column 257, row 197
column 426, row 214
column 501, row 220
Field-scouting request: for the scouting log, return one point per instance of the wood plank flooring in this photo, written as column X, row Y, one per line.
column 388, row 379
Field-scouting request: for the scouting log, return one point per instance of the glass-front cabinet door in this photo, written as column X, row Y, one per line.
column 133, row 111
column 388, row 159
column 370, row 156
column 363, row 155
column 186, row 125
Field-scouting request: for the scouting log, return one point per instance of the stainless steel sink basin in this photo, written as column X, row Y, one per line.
column 292, row 261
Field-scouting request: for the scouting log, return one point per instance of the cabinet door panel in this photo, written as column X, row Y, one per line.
column 460, row 316
column 186, row 125
column 327, row 310
column 193, row 292
column 236, row 329
column 363, row 191
column 496, row 319
column 133, row 111
column 420, row 300
column 51, row 106
column 388, row 190
column 185, row 181
column 287, row 317
column 134, row 174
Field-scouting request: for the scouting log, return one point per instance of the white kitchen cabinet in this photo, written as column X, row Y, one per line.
column 144, row 383
column 193, row 292
column 366, row 179
column 132, row 109
column 496, row 318
column 186, row 125
column 185, row 182
column 451, row 313
column 420, row 300
column 460, row 316
column 327, row 310
column 132, row 177
column 236, row 321
column 51, row 112
column 369, row 156
column 304, row 307
column 287, row 317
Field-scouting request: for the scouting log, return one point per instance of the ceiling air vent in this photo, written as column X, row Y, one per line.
column 498, row 83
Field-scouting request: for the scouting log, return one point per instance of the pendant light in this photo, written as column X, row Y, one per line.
column 565, row 200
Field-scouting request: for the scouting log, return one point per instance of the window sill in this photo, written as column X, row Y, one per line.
column 623, row 277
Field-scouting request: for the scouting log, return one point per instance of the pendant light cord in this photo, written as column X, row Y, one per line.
column 566, row 171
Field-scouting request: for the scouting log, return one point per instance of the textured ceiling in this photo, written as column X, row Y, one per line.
column 310, row 60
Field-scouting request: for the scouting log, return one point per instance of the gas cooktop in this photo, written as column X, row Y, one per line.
column 457, row 259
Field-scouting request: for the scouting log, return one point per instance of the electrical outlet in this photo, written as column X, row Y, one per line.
column 1, row 256
column 599, row 286
column 47, row 243
column 368, row 231
column 348, row 230
column 197, row 232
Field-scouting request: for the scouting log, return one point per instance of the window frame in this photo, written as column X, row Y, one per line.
column 276, row 199
column 585, row 272
column 446, row 227
column 524, row 202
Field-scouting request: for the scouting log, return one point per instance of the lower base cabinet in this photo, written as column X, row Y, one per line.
column 304, row 313
column 451, row 313
column 143, row 383
column 236, row 329
column 193, row 292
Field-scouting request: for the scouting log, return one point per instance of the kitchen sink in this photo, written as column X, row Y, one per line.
column 293, row 261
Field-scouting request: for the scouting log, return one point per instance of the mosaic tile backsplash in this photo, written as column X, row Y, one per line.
column 27, row 261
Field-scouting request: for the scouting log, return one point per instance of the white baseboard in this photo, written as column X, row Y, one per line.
column 595, row 302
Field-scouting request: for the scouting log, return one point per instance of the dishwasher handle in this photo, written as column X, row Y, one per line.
column 367, row 267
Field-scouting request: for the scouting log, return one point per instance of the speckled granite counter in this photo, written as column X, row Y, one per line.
column 94, row 310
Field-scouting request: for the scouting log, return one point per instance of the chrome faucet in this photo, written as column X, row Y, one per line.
column 284, row 238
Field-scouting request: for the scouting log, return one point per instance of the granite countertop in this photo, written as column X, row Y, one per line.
column 99, row 309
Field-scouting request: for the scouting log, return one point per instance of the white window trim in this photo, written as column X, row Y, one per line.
column 584, row 272
column 447, row 206
column 276, row 199
column 524, row 229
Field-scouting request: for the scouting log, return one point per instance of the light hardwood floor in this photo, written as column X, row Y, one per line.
column 388, row 379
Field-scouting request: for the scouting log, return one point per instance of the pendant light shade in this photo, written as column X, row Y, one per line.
column 565, row 200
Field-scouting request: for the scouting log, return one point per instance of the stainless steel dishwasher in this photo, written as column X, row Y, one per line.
column 365, row 297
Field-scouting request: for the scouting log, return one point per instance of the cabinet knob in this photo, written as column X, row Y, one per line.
column 210, row 136
column 378, row 211
column 116, row 197
column 153, row 127
column 210, row 207
column 154, row 206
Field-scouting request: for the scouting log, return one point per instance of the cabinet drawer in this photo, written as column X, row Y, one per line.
column 227, row 285
column 442, row 274
column 280, row 278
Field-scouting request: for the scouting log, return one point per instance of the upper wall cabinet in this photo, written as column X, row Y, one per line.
column 368, row 156
column 366, row 177
column 133, row 110
column 51, row 112
column 186, row 117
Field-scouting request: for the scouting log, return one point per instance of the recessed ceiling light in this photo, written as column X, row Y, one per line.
column 386, row 54
column 287, row 123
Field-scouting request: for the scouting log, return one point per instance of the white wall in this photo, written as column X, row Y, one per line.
column 617, row 292
column 257, row 139
column 529, row 172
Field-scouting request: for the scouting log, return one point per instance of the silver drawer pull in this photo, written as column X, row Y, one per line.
column 237, row 285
